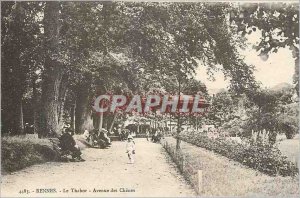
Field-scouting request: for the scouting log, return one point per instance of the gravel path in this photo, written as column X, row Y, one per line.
column 153, row 174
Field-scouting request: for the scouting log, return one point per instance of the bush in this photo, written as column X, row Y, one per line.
column 18, row 153
column 289, row 130
column 265, row 158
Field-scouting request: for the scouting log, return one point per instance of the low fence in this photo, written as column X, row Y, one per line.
column 191, row 174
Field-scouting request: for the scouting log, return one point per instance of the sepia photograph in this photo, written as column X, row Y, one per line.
column 131, row 98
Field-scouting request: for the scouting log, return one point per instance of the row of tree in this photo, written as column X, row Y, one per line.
column 57, row 56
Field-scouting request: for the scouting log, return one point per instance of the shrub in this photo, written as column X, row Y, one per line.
column 18, row 153
column 265, row 158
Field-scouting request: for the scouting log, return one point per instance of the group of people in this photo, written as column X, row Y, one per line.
column 122, row 133
column 68, row 145
column 156, row 135
column 100, row 139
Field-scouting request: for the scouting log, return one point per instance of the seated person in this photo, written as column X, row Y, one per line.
column 84, row 139
column 103, row 136
column 94, row 137
column 159, row 136
column 106, row 136
column 156, row 137
column 119, row 133
column 98, row 139
column 123, row 135
column 86, row 135
column 68, row 145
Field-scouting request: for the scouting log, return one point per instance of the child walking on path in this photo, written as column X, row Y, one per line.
column 130, row 149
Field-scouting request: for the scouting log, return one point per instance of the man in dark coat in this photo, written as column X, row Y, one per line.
column 28, row 129
column 68, row 145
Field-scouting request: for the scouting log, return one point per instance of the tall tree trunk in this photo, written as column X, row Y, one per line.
column 105, row 122
column 100, row 121
column 113, row 122
column 178, row 141
column 96, row 121
column 82, row 111
column 170, row 123
column 100, row 89
column 21, row 119
column 52, row 74
column 17, row 126
column 63, row 89
column 13, row 73
column 73, row 117
column 155, row 124
column 34, row 104
column 296, row 74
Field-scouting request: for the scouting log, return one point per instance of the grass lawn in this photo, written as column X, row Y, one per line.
column 290, row 148
column 224, row 177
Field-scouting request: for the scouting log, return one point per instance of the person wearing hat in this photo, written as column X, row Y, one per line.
column 67, row 145
column 103, row 136
column 130, row 149
column 107, row 139
column 28, row 129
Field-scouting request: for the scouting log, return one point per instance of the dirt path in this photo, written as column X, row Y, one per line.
column 153, row 174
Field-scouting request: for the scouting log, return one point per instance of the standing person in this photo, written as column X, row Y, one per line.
column 119, row 133
column 127, row 133
column 27, row 128
column 147, row 134
column 130, row 149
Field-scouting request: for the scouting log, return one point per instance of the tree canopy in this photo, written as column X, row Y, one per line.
column 60, row 55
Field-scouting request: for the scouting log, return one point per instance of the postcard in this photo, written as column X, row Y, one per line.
column 150, row 98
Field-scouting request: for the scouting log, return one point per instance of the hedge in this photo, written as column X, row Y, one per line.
column 265, row 158
column 18, row 153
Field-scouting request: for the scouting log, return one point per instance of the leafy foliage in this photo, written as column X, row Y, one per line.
column 18, row 154
column 267, row 159
column 288, row 120
column 279, row 26
column 120, row 47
